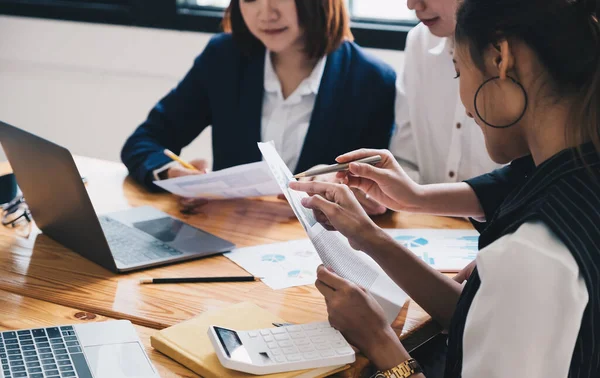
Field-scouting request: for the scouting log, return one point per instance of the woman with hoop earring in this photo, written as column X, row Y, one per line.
column 529, row 73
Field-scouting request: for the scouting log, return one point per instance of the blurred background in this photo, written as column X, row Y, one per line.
column 79, row 70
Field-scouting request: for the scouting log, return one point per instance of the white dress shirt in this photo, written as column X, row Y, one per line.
column 435, row 141
column 286, row 121
column 526, row 315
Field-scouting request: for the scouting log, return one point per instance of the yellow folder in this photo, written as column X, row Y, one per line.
column 188, row 342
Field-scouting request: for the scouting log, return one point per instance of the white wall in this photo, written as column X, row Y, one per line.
column 87, row 86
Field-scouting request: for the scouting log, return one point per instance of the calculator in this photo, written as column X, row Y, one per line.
column 280, row 349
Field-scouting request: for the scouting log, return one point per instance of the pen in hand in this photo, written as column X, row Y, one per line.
column 337, row 167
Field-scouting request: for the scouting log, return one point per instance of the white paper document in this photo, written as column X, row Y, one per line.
column 334, row 249
column 280, row 265
column 248, row 180
column 294, row 263
column 444, row 250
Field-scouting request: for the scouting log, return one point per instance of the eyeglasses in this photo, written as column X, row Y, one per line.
column 16, row 214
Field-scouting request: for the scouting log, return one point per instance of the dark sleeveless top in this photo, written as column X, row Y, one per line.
column 564, row 193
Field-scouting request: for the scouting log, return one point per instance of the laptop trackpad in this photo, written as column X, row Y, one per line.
column 118, row 361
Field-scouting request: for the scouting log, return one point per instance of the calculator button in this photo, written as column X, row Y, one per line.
column 322, row 346
column 282, row 337
column 343, row 351
column 327, row 353
column 309, row 326
column 315, row 332
column 268, row 338
column 265, row 332
column 286, row 343
column 9, row 335
column 294, row 328
column 318, row 339
column 278, row 331
column 296, row 335
column 280, row 359
column 294, row 357
column 252, row 334
column 302, row 342
column 289, row 350
column 338, row 344
column 305, row 348
column 276, row 352
column 311, row 355
column 272, row 345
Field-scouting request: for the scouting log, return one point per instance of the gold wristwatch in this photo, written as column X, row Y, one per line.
column 404, row 370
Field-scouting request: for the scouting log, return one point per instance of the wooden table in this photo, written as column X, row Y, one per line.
column 40, row 271
column 18, row 312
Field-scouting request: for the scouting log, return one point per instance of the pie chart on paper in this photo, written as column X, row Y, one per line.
column 300, row 274
column 273, row 258
column 411, row 241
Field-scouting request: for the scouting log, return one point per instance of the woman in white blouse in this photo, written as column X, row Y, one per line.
column 284, row 70
column 434, row 140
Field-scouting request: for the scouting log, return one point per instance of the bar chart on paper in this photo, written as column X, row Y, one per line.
column 444, row 250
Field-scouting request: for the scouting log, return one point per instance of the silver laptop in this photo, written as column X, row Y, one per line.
column 121, row 242
column 94, row 350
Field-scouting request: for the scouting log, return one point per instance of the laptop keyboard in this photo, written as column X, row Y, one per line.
column 42, row 353
column 131, row 246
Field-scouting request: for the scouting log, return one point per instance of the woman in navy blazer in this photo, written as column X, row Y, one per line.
column 225, row 88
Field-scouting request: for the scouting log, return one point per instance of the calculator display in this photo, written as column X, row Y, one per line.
column 232, row 344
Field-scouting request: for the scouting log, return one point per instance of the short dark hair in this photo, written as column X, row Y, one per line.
column 326, row 24
column 565, row 36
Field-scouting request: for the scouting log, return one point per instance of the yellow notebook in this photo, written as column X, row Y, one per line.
column 188, row 342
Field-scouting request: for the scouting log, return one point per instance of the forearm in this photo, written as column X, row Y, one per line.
column 142, row 154
column 433, row 291
column 450, row 199
column 387, row 352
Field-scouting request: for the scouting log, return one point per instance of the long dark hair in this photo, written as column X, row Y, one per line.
column 565, row 35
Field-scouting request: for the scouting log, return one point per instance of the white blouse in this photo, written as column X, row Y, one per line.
column 526, row 315
column 286, row 121
column 435, row 141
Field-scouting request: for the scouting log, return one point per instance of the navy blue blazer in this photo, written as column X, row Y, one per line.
column 354, row 108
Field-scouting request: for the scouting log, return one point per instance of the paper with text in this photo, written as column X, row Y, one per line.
column 248, row 180
column 334, row 249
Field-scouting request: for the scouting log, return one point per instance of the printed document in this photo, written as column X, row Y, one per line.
column 444, row 250
column 334, row 249
column 248, row 180
column 280, row 265
column 294, row 263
